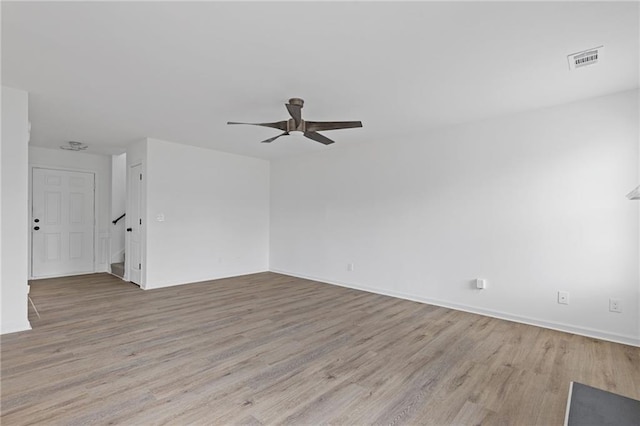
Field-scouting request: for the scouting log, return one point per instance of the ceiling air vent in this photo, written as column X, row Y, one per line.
column 585, row 58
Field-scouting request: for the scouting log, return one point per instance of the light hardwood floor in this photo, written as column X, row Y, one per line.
column 269, row 349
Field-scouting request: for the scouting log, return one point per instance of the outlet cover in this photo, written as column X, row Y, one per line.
column 563, row 297
column 615, row 306
column 349, row 266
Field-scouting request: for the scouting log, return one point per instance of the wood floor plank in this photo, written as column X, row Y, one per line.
column 272, row 349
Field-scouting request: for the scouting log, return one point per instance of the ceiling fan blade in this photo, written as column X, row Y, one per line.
column 296, row 112
column 274, row 138
column 282, row 125
column 315, row 126
column 318, row 137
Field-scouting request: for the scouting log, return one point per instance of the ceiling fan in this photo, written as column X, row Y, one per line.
column 308, row 128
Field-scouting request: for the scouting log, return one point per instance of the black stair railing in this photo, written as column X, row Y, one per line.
column 116, row 221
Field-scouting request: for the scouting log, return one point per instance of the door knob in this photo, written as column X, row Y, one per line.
column 36, row 220
column 129, row 229
column 36, row 228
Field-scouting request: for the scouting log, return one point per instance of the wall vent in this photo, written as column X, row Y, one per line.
column 585, row 58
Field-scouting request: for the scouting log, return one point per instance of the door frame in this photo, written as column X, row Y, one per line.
column 96, row 236
column 143, row 227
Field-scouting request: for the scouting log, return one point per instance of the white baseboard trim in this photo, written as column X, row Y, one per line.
column 14, row 327
column 201, row 280
column 72, row 274
column 567, row 328
column 117, row 276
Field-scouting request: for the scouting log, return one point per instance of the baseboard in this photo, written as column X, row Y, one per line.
column 117, row 276
column 14, row 327
column 201, row 280
column 73, row 274
column 567, row 328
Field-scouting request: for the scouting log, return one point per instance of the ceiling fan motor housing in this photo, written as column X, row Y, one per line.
column 291, row 126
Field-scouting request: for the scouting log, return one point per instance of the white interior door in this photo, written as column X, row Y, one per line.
column 134, row 224
column 62, row 223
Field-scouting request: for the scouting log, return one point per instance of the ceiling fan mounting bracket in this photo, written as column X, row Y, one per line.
column 296, row 101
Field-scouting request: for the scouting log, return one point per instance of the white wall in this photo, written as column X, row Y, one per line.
column 14, row 226
column 118, row 205
column 533, row 202
column 1, row 241
column 216, row 214
column 84, row 162
column 638, row 203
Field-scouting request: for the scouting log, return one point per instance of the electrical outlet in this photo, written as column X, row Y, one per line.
column 615, row 306
column 563, row 297
column 349, row 266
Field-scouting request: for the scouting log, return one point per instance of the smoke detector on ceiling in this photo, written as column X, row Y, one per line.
column 585, row 58
column 74, row 146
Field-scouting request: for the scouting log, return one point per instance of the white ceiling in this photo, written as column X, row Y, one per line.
column 107, row 74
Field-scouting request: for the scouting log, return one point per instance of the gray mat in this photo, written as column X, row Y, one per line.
column 592, row 406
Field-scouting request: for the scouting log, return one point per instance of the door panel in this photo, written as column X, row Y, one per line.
column 52, row 208
column 134, row 224
column 76, row 208
column 52, row 247
column 62, row 226
column 75, row 245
